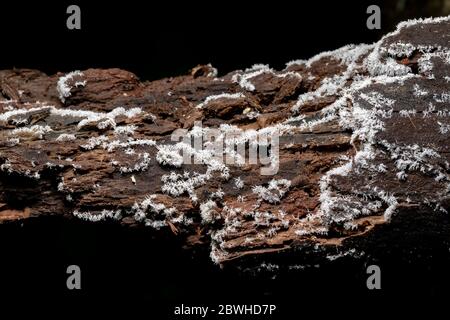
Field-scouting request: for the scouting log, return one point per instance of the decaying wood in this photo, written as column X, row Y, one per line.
column 364, row 137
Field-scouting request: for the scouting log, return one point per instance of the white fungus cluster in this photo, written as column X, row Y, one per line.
column 244, row 78
column 208, row 212
column 208, row 99
column 274, row 191
column 63, row 86
column 95, row 217
column 169, row 155
column 157, row 215
column 34, row 132
column 64, row 137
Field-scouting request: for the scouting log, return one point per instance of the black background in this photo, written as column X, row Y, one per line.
column 156, row 39
column 131, row 270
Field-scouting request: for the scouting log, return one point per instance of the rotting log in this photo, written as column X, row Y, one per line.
column 364, row 141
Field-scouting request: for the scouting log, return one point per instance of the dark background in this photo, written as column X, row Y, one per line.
column 156, row 39
column 137, row 271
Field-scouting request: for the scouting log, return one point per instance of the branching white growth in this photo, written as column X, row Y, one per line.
column 287, row 74
column 329, row 87
column 64, row 137
column 105, row 119
column 35, row 131
column 351, row 252
column 108, row 123
column 149, row 206
column 5, row 116
column 442, row 98
column 401, row 175
column 407, row 113
column 419, row 92
column 129, row 151
column 64, row 88
column 157, row 215
column 377, row 100
column 18, row 122
column 238, row 95
column 345, row 55
column 252, row 115
column 243, row 79
column 268, row 267
column 441, row 177
column 429, row 111
column 178, row 184
column 411, row 157
column 388, row 67
column 381, row 62
column 94, row 142
column 363, row 113
column 216, row 253
column 255, row 70
column 141, row 165
column 61, row 185
column 143, row 159
column 102, row 119
column 365, row 122
column 401, row 49
column 71, row 113
column 234, row 135
column 238, row 182
column 217, row 195
column 125, row 130
column 305, row 229
column 95, row 217
column 169, row 155
column 110, row 146
column 425, row 65
column 263, row 218
column 327, row 200
column 208, row 212
column 348, row 55
column 390, row 200
column 444, row 128
column 274, row 191
column 34, row 175
column 213, row 73
column 295, row 119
